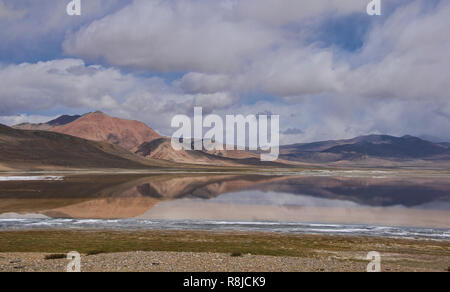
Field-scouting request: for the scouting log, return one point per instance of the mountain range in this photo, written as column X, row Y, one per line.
column 130, row 196
column 367, row 147
column 34, row 150
column 62, row 120
column 96, row 140
column 103, row 128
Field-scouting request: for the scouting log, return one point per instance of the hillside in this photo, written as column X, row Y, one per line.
column 60, row 121
column 33, row 150
column 161, row 149
column 101, row 127
column 138, row 138
column 367, row 147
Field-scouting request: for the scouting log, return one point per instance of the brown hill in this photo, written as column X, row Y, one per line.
column 60, row 121
column 161, row 149
column 101, row 127
column 139, row 138
column 372, row 150
column 29, row 150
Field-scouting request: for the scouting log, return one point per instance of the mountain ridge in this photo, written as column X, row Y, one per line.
column 30, row 149
column 98, row 126
column 59, row 121
column 363, row 147
column 138, row 138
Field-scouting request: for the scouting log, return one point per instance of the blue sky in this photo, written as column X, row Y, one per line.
column 327, row 68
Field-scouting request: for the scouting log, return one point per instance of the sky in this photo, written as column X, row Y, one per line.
column 326, row 67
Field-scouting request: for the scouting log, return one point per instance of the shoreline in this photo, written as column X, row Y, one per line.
column 211, row 251
column 13, row 222
column 324, row 170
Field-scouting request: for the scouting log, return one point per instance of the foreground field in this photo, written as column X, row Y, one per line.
column 205, row 252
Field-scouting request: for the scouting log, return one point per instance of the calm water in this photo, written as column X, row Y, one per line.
column 377, row 203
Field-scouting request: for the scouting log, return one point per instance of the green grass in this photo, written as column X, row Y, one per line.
column 398, row 254
column 55, row 256
column 91, row 242
column 95, row 252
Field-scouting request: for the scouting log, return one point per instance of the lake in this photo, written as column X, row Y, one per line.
column 373, row 203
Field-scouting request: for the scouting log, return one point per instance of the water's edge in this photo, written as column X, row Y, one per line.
column 275, row 227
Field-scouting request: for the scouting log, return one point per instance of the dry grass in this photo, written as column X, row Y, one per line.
column 92, row 242
column 55, row 256
column 398, row 254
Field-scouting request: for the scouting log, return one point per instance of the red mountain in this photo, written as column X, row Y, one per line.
column 101, row 127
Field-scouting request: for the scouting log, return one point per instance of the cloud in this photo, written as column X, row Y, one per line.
column 293, row 131
column 200, row 36
column 42, row 17
column 298, row 72
column 344, row 117
column 70, row 83
column 34, row 30
column 407, row 57
column 24, row 118
column 66, row 83
column 43, row 85
column 252, row 45
column 283, row 12
column 214, row 101
column 168, row 36
column 7, row 13
column 194, row 82
column 245, row 56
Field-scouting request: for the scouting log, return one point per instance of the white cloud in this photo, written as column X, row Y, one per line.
column 70, row 83
column 282, row 12
column 248, row 45
column 395, row 84
column 172, row 36
column 299, row 72
column 7, row 13
column 42, row 85
column 408, row 57
column 204, row 36
column 31, row 21
column 203, row 83
column 24, row 118
column 214, row 101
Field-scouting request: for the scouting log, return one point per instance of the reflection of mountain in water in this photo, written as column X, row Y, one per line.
column 363, row 191
column 199, row 187
column 366, row 191
column 131, row 196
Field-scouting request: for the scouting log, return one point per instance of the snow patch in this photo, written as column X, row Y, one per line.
column 31, row 178
column 22, row 216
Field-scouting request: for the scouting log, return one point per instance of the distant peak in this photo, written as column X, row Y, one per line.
column 94, row 113
column 410, row 137
column 63, row 120
column 98, row 114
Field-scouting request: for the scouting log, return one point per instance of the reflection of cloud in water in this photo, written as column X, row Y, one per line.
column 195, row 209
column 437, row 205
column 31, row 178
column 279, row 199
column 22, row 216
